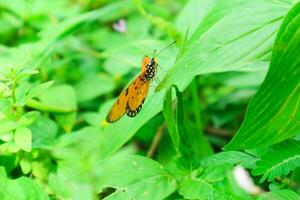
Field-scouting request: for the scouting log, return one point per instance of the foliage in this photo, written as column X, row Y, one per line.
column 61, row 69
column 286, row 160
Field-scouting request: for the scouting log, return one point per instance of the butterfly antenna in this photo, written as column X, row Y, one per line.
column 166, row 47
column 154, row 52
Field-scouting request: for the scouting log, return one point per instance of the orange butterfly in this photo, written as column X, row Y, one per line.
column 132, row 98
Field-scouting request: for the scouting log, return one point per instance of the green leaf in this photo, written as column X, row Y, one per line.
column 43, row 131
column 200, row 189
column 60, row 99
column 273, row 115
column 33, row 92
column 186, row 143
column 79, row 145
column 67, row 121
column 92, row 86
column 193, row 14
column 278, row 161
column 143, row 178
column 6, row 126
column 279, row 195
column 7, row 136
column 157, row 187
column 25, row 166
column 229, row 157
column 23, row 138
column 147, row 180
column 28, row 118
column 93, row 118
column 22, row 188
column 216, row 44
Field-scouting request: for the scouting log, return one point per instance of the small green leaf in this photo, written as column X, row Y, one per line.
column 23, row 138
column 28, row 118
column 33, row 92
column 7, row 136
column 6, row 126
column 43, row 131
column 25, row 166
column 39, row 170
column 67, row 121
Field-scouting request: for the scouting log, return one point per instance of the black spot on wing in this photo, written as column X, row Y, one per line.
column 133, row 113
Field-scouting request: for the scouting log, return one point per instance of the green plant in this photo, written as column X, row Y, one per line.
column 61, row 69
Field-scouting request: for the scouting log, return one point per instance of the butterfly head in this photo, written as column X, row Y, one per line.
column 153, row 62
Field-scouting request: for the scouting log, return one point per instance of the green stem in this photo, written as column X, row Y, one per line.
column 207, row 148
column 42, row 107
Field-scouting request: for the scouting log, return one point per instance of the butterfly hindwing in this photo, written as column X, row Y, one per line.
column 138, row 92
column 130, row 100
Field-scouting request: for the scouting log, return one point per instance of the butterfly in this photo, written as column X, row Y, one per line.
column 131, row 99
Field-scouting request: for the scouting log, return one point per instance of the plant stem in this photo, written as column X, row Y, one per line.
column 156, row 140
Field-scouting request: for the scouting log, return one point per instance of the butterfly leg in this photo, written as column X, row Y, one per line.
column 156, row 80
column 161, row 68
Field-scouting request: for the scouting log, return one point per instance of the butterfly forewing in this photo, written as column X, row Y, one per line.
column 145, row 61
column 119, row 107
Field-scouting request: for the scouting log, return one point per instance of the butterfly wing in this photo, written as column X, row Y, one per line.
column 137, row 94
column 119, row 107
column 130, row 100
column 146, row 60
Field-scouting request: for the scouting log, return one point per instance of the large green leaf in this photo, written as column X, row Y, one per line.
column 278, row 161
column 236, row 35
column 273, row 114
column 143, row 178
column 193, row 14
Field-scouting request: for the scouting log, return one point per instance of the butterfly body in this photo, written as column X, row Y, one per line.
column 132, row 98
